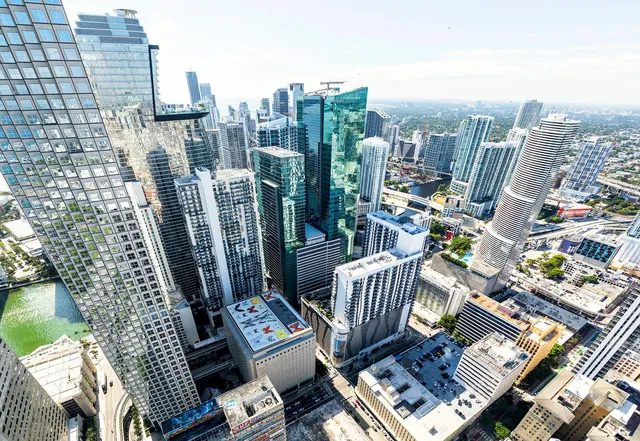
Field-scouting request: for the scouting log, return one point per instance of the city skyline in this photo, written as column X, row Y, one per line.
column 557, row 61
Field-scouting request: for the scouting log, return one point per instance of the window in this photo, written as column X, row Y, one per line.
column 14, row 38
column 29, row 72
column 42, row 104
column 36, row 55
column 22, row 56
column 66, row 87
column 44, row 72
column 6, row 20
column 50, row 88
column 26, row 104
column 83, row 87
column 59, row 71
column 38, row 16
column 57, row 17
column 15, row 2
column 88, row 103
column 46, row 35
column 64, row 36
column 22, row 17
column 5, row 89
column 29, row 37
column 53, row 53
column 3, row 42
column 71, row 54
column 76, row 71
column 6, row 57
column 14, row 73
column 21, row 89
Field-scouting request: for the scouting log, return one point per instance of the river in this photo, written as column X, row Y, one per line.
column 37, row 315
column 429, row 188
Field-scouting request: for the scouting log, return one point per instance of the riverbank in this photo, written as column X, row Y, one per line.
column 38, row 314
column 30, row 282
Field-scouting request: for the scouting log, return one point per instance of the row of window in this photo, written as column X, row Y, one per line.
column 53, row 53
column 34, row 15
column 58, row 103
column 22, row 36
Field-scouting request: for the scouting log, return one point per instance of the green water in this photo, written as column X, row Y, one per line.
column 37, row 315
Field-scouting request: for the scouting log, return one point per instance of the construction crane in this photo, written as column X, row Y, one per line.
column 329, row 83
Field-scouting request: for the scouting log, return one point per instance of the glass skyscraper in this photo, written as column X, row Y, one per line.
column 194, row 87
column 152, row 146
column 333, row 123
column 281, row 201
column 68, row 177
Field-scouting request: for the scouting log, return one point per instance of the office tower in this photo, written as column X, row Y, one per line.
column 251, row 411
column 440, row 294
column 67, row 374
column 528, row 115
column 372, row 171
column 419, row 139
column 634, row 228
column 316, row 261
column 28, row 412
column 567, row 408
column 296, row 91
column 384, row 231
column 487, row 176
column 232, row 113
column 333, row 122
column 439, row 150
column 234, row 145
column 85, row 220
column 152, row 144
column 221, row 214
column 205, row 91
column 268, row 337
column 522, row 199
column 243, row 106
column 580, row 182
column 264, row 105
column 281, row 101
column 393, row 138
column 377, row 124
column 193, row 86
column 621, row 334
column 482, row 316
column 213, row 136
column 281, row 201
column 491, row 366
column 210, row 121
column 519, row 137
column 472, row 132
column 279, row 131
column 538, row 341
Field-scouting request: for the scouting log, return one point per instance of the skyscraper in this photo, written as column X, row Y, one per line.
column 264, row 105
column 393, row 137
column 334, row 123
column 224, row 232
column 194, row 87
column 213, row 136
column 372, row 171
column 71, row 189
column 439, row 150
column 279, row 131
column 519, row 137
column 28, row 412
column 580, row 182
column 281, row 201
column 528, row 114
column 281, row 101
column 205, row 91
column 234, row 145
column 472, row 133
column 487, row 176
column 522, row 199
column 377, row 124
column 210, row 121
column 296, row 91
column 153, row 145
column 634, row 228
column 384, row 231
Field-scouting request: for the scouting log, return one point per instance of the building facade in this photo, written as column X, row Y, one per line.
column 580, row 182
column 281, row 101
column 193, row 86
column 316, row 261
column 279, row 132
column 598, row 250
column 377, row 124
column 528, row 114
column 372, row 171
column 233, row 145
column 440, row 294
column 221, row 214
column 384, row 231
column 472, row 132
column 205, row 91
column 296, row 91
column 281, row 201
column 439, row 150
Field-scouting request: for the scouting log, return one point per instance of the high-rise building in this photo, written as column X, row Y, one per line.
column 205, row 91
column 210, row 121
column 213, row 136
column 281, row 101
column 234, row 145
column 224, row 232
column 85, row 219
column 152, row 144
column 193, row 86
column 568, row 407
column 634, row 228
column 487, row 176
column 264, row 105
column 296, row 91
column 519, row 137
column 528, row 114
column 317, row 261
column 384, row 231
column 580, row 182
column 393, row 137
column 281, row 200
column 621, row 334
column 440, row 294
column 232, row 113
column 268, row 337
column 333, row 122
column 439, row 150
column 28, row 412
column 372, row 171
column 522, row 199
column 377, row 124
column 472, row 132
column 279, row 131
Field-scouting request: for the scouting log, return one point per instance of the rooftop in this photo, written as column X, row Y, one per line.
column 605, row 238
column 397, row 222
column 432, row 275
column 266, row 319
column 496, row 308
column 534, row 305
column 499, row 352
column 20, row 229
column 249, row 401
column 311, row 233
column 278, row 151
column 373, row 263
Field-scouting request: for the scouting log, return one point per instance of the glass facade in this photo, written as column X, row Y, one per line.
column 281, row 201
column 334, row 122
column 119, row 63
column 65, row 174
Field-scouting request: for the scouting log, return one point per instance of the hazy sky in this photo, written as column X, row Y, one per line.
column 555, row 50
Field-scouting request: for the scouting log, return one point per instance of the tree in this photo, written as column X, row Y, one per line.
column 437, row 228
column 531, row 262
column 501, row 430
column 448, row 322
column 554, row 273
column 404, row 189
column 442, row 188
column 460, row 245
column 588, row 279
column 555, row 220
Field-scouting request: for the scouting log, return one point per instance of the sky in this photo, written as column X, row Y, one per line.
column 565, row 51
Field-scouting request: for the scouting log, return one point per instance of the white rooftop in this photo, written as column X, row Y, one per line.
column 498, row 352
column 395, row 222
column 20, row 229
column 372, row 264
column 533, row 304
column 278, row 151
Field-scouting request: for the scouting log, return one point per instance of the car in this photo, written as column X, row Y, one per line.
column 110, row 383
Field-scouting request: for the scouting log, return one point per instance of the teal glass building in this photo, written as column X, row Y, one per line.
column 333, row 123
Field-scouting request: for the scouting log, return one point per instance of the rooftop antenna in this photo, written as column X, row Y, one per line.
column 329, row 83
